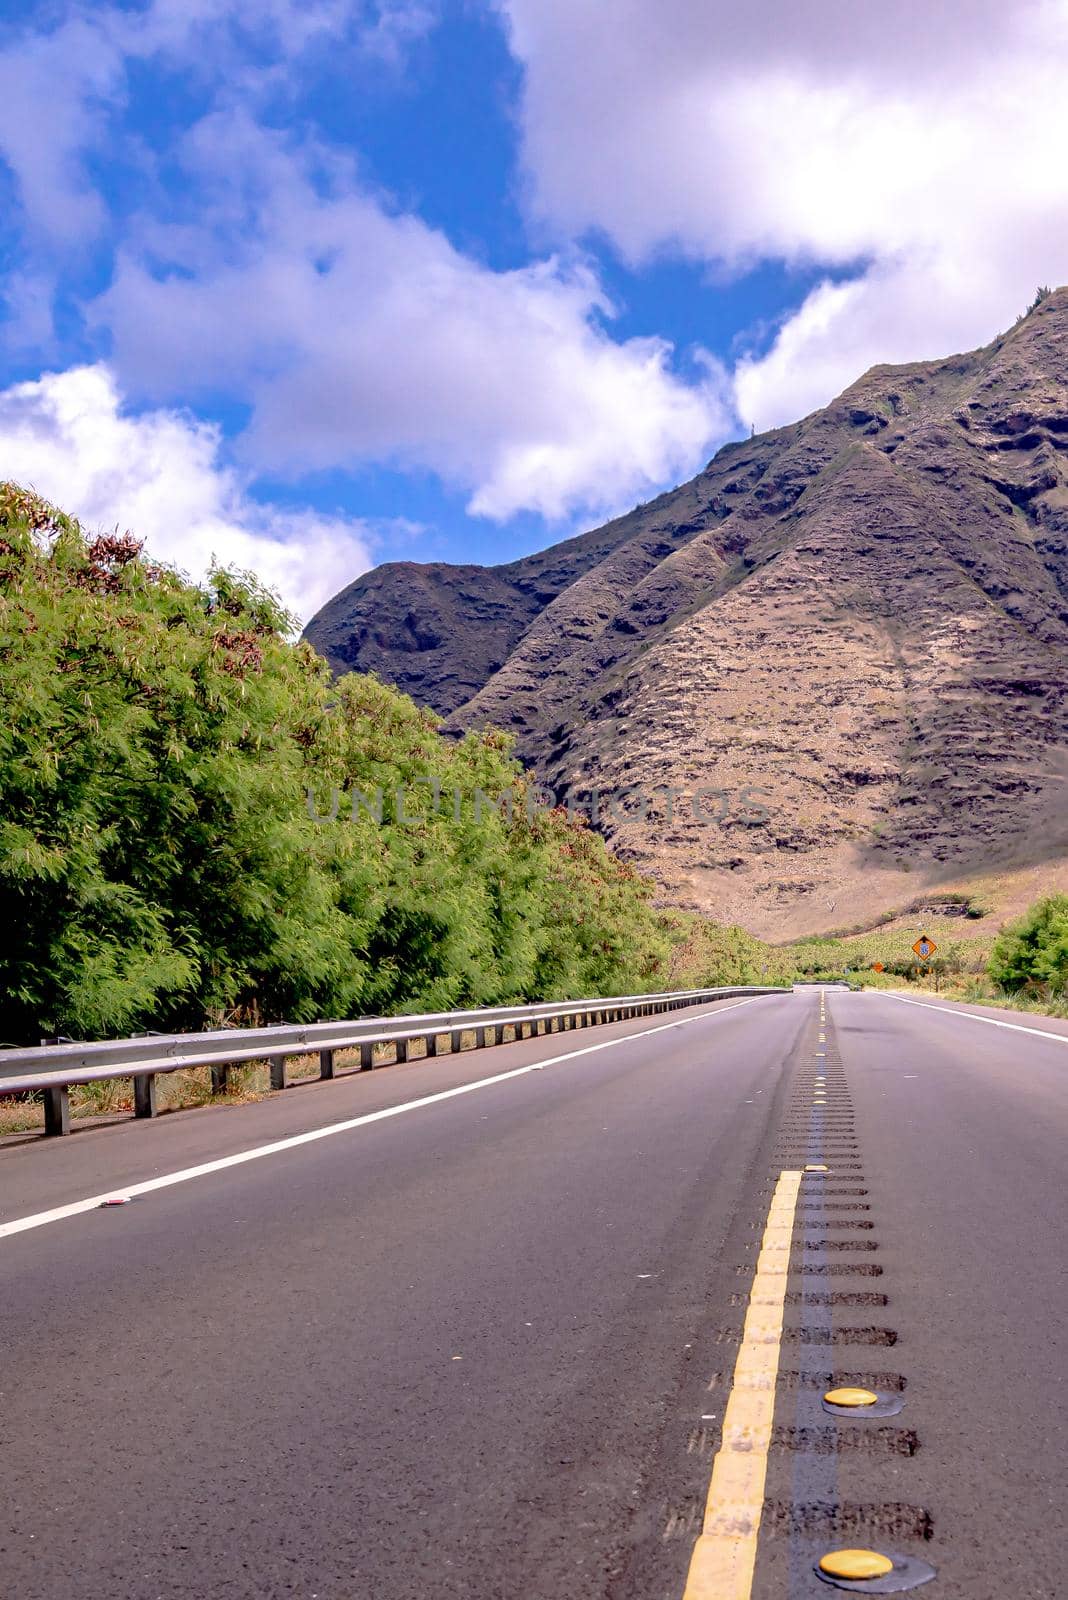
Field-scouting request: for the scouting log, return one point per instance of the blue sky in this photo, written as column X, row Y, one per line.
column 304, row 287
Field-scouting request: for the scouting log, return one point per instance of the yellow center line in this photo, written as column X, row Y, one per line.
column 721, row 1567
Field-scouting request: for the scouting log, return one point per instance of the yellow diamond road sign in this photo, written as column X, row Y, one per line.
column 924, row 947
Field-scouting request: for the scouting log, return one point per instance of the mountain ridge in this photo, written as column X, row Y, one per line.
column 864, row 614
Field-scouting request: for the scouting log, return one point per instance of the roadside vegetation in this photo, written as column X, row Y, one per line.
column 199, row 827
column 1024, row 966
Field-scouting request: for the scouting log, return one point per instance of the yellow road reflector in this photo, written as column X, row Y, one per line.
column 814, row 1166
column 851, row 1397
column 855, row 1564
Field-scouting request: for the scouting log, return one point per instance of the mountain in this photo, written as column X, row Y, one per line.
column 855, row 627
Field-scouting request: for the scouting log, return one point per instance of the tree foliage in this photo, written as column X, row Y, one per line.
column 1031, row 956
column 168, row 857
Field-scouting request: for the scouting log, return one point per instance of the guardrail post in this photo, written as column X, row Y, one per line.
column 480, row 1038
column 145, row 1095
column 326, row 1063
column 367, row 1057
column 402, row 1050
column 220, row 1077
column 278, row 1072
column 431, row 1044
column 456, row 1043
column 57, row 1110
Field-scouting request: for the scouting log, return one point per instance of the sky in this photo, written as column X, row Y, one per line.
column 303, row 286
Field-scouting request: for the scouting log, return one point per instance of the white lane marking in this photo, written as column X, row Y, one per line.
column 292, row 1141
column 991, row 1022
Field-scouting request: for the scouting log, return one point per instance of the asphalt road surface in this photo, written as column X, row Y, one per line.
column 482, row 1347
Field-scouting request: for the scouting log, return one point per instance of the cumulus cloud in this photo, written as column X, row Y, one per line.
column 917, row 147
column 160, row 475
column 272, row 275
column 360, row 335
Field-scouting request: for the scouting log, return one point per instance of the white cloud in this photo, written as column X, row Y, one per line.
column 65, row 87
column 926, row 143
column 359, row 335
column 57, row 86
column 160, row 475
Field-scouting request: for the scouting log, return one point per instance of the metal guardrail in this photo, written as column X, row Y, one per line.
column 53, row 1069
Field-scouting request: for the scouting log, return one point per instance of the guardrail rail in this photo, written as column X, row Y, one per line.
column 52, row 1069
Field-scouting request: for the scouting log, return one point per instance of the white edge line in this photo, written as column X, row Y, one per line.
column 991, row 1022
column 292, row 1141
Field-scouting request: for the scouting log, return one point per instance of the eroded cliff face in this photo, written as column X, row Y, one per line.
column 863, row 616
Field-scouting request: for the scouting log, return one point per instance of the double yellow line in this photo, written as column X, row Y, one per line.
column 721, row 1567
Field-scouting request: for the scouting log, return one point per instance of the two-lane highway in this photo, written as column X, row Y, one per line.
column 477, row 1336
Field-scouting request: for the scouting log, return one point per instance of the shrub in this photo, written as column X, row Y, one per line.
column 1032, row 955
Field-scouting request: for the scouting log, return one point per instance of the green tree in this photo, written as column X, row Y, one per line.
column 1032, row 954
column 182, row 838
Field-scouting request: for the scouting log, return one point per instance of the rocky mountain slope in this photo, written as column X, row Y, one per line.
column 850, row 633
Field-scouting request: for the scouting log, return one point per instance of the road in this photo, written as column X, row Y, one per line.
column 482, row 1347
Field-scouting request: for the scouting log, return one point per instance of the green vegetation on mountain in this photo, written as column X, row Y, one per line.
column 183, row 839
